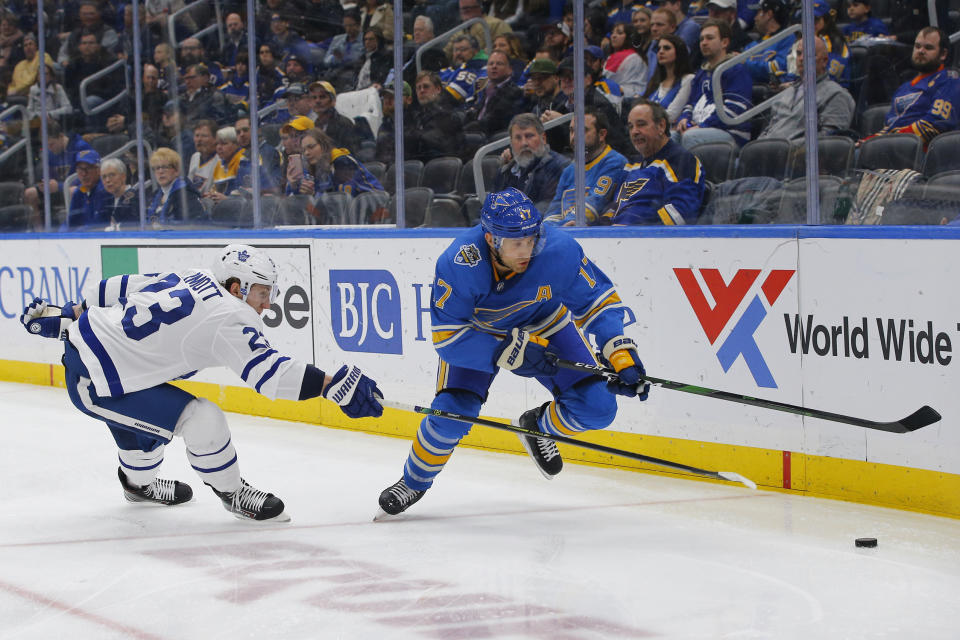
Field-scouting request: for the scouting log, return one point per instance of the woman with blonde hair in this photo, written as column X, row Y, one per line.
column 175, row 200
column 510, row 44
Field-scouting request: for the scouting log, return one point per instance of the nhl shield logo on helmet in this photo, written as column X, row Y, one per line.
column 249, row 265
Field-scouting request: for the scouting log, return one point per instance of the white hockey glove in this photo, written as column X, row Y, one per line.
column 48, row 321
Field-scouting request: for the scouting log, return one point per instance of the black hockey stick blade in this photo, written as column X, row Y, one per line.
column 427, row 411
column 922, row 417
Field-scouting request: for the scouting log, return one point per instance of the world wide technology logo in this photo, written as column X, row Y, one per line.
column 727, row 298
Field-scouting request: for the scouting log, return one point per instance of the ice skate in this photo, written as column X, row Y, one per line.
column 160, row 491
column 248, row 503
column 543, row 451
column 396, row 498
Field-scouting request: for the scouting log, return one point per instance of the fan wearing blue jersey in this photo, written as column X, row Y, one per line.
column 133, row 334
column 512, row 293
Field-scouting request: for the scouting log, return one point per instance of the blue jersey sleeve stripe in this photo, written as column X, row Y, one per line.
column 106, row 364
column 255, row 361
column 103, row 293
column 269, row 374
column 220, row 468
column 220, row 450
column 123, row 286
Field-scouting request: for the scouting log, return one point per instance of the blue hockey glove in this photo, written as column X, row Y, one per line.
column 526, row 355
column 357, row 395
column 620, row 353
column 45, row 320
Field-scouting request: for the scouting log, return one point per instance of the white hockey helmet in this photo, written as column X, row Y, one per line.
column 247, row 264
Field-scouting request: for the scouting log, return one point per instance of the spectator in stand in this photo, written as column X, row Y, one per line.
column 270, row 77
column 346, row 48
column 604, row 172
column 593, row 59
column 469, row 65
column 326, row 169
column 470, row 9
column 926, row 105
column 147, row 39
column 163, row 60
column 498, row 98
column 122, row 205
column 699, row 121
column 726, row 10
column 153, row 100
column 204, row 160
column 834, row 104
column 615, row 135
column 193, row 53
column 11, row 46
column 58, row 102
column 433, row 130
column 300, row 102
column 673, row 78
column 235, row 40
column 226, row 171
column 88, row 14
column 290, row 136
column 511, row 45
column 175, row 200
column 838, row 65
column 556, row 37
column 686, row 27
column 386, row 135
column 768, row 65
column 270, row 157
column 529, row 164
column 26, row 71
column 61, row 158
column 173, row 133
column 200, row 100
column 862, row 24
column 377, row 61
column 666, row 186
column 91, row 59
column 379, row 14
column 662, row 22
column 544, row 85
column 88, row 203
column 624, row 66
column 296, row 69
column 237, row 88
column 422, row 30
column 640, row 21
column 285, row 39
column 339, row 127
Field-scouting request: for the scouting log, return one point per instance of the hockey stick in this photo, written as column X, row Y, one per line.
column 427, row 411
column 920, row 418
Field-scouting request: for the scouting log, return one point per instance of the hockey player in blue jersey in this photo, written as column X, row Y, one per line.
column 510, row 294
column 133, row 334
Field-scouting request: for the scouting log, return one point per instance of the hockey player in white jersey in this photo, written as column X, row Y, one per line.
column 132, row 334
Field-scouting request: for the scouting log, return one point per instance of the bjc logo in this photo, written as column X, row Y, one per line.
column 365, row 310
column 727, row 298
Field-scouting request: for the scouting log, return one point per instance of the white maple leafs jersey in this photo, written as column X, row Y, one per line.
column 143, row 330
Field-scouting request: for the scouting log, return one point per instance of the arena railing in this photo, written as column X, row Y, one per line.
column 189, row 8
column 106, row 104
column 23, row 143
column 446, row 35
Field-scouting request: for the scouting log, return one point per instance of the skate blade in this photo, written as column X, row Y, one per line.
column 533, row 458
column 279, row 518
column 155, row 503
column 383, row 516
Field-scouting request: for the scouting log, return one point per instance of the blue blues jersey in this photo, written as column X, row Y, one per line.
column 88, row 207
column 737, row 98
column 461, row 82
column 868, row 27
column 143, row 330
column 925, row 105
column 769, row 64
column 666, row 188
column 602, row 179
column 472, row 307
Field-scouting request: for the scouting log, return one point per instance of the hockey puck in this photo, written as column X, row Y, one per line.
column 866, row 542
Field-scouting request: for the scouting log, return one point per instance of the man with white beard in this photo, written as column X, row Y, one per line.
column 529, row 164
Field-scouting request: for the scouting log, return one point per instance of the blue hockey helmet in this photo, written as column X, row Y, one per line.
column 511, row 214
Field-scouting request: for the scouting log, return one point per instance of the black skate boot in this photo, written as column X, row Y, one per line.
column 397, row 498
column 247, row 503
column 160, row 491
column 544, row 452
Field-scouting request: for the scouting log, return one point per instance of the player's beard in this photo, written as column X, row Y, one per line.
column 927, row 67
column 528, row 156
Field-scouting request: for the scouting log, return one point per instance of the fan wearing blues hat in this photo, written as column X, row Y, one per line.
column 89, row 201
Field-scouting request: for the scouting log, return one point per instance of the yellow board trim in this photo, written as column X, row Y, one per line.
column 920, row 490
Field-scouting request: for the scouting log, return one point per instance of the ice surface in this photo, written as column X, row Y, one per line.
column 492, row 551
